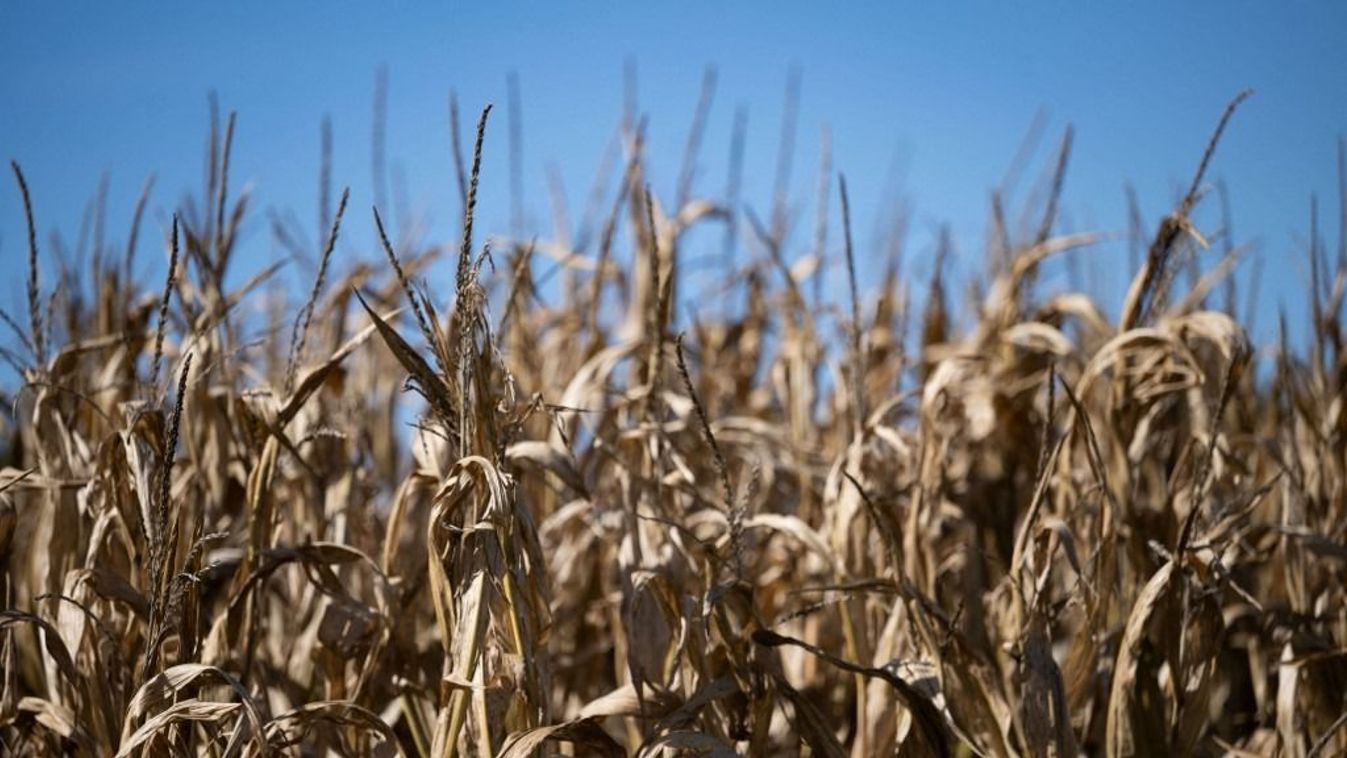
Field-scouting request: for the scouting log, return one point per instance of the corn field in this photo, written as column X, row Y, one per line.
column 569, row 509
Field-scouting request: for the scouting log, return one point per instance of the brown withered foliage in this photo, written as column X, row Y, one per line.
column 581, row 516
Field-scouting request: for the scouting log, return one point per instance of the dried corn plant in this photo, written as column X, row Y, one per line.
column 524, row 519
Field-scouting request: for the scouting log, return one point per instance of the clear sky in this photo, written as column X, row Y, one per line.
column 925, row 101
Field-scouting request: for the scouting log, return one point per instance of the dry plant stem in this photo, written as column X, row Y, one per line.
column 733, row 182
column 695, row 132
column 300, row 332
column 655, row 319
column 325, row 175
column 415, row 300
column 821, row 215
column 134, row 235
column 520, row 285
column 609, row 233
column 457, row 148
column 222, row 194
column 892, row 544
column 463, row 282
column 784, row 156
column 1058, row 180
column 857, row 353
column 36, row 335
column 161, row 546
column 727, row 492
column 470, row 207
column 169, row 281
column 1232, row 373
column 1141, row 294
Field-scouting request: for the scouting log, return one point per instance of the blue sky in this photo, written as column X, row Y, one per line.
column 925, row 101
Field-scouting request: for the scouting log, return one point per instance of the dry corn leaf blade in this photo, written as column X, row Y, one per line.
column 437, row 394
column 583, row 732
column 191, row 710
column 1124, row 727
